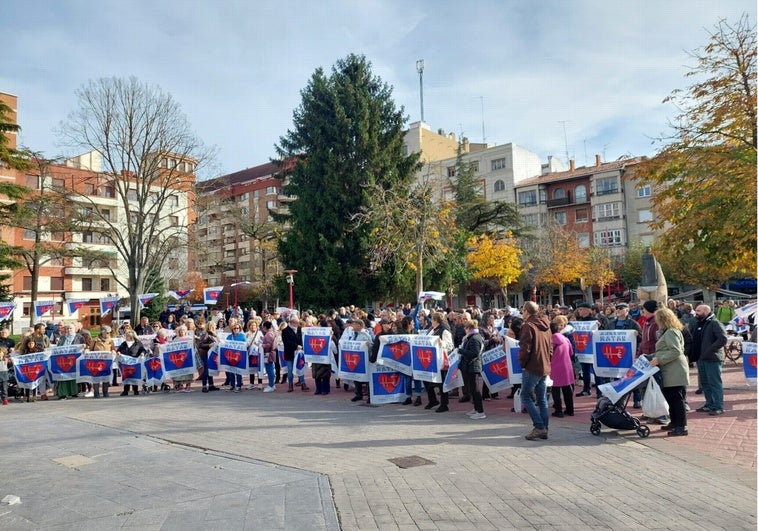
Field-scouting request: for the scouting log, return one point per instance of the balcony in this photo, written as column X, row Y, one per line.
column 560, row 202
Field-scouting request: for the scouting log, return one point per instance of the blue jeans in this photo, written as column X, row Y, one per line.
column 291, row 373
column 533, row 384
column 269, row 366
column 710, row 383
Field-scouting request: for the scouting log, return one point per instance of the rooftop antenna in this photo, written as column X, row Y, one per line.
column 420, row 70
column 484, row 137
column 565, row 139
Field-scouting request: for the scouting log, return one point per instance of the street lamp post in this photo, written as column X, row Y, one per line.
column 235, row 286
column 291, row 282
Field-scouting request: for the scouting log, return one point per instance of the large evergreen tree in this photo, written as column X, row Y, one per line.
column 347, row 137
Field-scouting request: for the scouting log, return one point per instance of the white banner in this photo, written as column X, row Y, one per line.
column 582, row 336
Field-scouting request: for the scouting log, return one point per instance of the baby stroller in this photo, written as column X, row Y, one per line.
column 616, row 417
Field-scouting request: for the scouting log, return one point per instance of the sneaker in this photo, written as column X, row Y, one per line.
column 478, row 416
column 583, row 393
column 5, row 401
column 89, row 394
column 687, row 407
column 269, row 389
column 535, row 434
column 225, row 387
column 408, row 401
column 356, row 398
column 250, row 387
column 716, row 412
column 235, row 390
column 704, row 409
column 260, row 386
column 205, row 390
column 472, row 412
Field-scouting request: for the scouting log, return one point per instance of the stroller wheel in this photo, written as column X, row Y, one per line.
column 643, row 431
column 595, row 428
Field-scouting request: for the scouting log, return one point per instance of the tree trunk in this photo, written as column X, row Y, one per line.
column 560, row 293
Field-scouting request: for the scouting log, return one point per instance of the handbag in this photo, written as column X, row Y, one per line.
column 654, row 404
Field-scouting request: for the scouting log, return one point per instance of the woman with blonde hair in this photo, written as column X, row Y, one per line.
column 670, row 359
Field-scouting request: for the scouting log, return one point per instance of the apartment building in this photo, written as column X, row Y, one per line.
column 93, row 197
column 233, row 241
column 601, row 204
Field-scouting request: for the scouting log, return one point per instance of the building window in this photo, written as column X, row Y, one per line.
column 451, row 171
column 560, row 218
column 173, row 201
column 86, row 284
column 32, row 181
column 56, row 262
column 559, row 193
column 584, row 239
column 606, row 185
column 474, row 165
column 580, row 194
column 271, row 190
column 498, row 164
column 94, row 316
column 499, row 185
column 174, row 221
column 645, row 216
column 271, row 204
column 27, row 284
column 106, row 214
column 105, row 284
column 605, row 211
column 58, row 183
column 527, row 198
column 56, row 283
column 644, row 191
column 255, row 194
column 530, row 220
column 29, row 234
column 543, row 196
column 581, row 216
column 609, row 238
column 244, row 197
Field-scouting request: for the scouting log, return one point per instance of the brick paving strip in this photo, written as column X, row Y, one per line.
column 482, row 474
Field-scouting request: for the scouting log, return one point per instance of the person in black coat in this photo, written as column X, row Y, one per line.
column 471, row 366
column 134, row 348
column 292, row 340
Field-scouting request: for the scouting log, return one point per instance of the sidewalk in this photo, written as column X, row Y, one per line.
column 268, row 461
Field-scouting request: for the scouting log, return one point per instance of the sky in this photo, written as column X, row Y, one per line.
column 582, row 77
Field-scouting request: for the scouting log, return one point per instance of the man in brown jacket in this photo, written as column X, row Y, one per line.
column 535, row 352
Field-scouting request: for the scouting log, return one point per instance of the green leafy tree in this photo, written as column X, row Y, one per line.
column 10, row 157
column 347, row 138
column 704, row 182
column 410, row 230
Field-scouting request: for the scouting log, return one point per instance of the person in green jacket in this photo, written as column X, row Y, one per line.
column 669, row 357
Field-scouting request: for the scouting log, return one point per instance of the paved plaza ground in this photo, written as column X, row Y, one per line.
column 297, row 461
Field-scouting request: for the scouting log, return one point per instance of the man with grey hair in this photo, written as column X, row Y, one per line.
column 708, row 341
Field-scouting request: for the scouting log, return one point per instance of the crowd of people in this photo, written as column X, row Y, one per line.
column 674, row 336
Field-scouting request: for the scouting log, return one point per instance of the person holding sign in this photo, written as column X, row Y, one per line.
column 471, row 366
column 134, row 348
column 670, row 359
column 535, row 351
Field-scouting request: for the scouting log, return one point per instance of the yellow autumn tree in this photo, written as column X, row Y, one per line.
column 703, row 178
column 496, row 259
column 598, row 269
column 557, row 258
